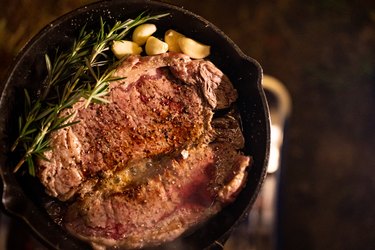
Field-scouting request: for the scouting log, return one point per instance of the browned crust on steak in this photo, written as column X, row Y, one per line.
column 152, row 112
column 152, row 163
column 182, row 194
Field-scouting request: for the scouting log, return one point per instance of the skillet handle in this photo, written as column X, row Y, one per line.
column 260, row 231
column 280, row 105
column 263, row 221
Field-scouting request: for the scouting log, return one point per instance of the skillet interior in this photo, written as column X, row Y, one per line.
column 24, row 197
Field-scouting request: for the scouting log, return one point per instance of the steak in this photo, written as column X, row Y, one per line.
column 153, row 163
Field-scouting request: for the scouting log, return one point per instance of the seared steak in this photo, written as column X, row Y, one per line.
column 152, row 163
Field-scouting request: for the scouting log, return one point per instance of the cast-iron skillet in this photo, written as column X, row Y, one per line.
column 24, row 197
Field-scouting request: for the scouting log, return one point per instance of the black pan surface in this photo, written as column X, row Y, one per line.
column 23, row 196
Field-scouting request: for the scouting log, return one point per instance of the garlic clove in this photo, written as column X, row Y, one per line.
column 142, row 32
column 171, row 37
column 123, row 47
column 193, row 48
column 155, row 46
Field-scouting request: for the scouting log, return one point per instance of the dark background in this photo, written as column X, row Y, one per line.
column 324, row 53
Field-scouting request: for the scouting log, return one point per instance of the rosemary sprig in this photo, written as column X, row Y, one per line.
column 83, row 72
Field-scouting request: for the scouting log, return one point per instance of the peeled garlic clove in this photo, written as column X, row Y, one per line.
column 171, row 38
column 193, row 48
column 142, row 32
column 124, row 47
column 155, row 46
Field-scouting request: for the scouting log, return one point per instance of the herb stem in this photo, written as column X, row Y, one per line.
column 83, row 72
column 31, row 149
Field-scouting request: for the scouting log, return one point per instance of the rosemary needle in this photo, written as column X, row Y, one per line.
column 83, row 72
